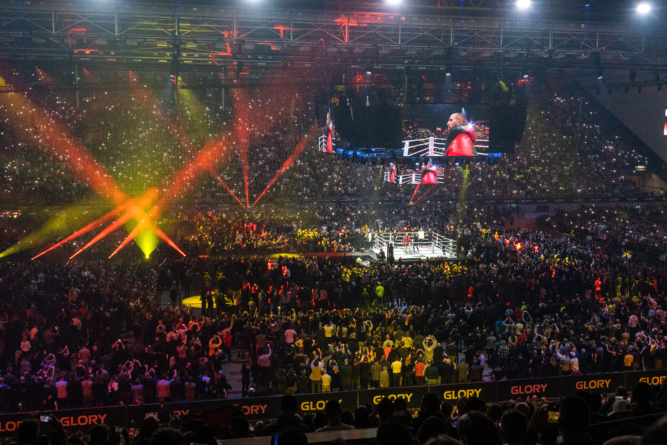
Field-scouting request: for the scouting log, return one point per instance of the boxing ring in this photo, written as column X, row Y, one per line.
column 322, row 144
column 433, row 146
column 432, row 245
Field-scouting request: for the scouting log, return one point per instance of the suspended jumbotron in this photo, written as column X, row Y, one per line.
column 431, row 148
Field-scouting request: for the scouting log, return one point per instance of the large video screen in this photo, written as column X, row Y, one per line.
column 446, row 130
column 364, row 125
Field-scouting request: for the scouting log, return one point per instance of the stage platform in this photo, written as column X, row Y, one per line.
column 423, row 254
column 422, row 245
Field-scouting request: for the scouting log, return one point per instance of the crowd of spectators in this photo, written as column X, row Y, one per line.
column 521, row 304
column 570, row 148
column 583, row 418
column 640, row 229
column 518, row 304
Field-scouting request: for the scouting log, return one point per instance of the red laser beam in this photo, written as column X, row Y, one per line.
column 413, row 194
column 116, row 224
column 297, row 151
column 240, row 105
column 82, row 164
column 146, row 98
column 143, row 225
column 135, row 212
column 244, row 163
column 208, row 157
column 84, row 230
column 205, row 159
column 225, row 186
column 167, row 240
column 95, row 176
column 428, row 193
column 52, row 138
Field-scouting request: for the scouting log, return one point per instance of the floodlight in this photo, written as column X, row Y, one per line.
column 523, row 4
column 644, row 8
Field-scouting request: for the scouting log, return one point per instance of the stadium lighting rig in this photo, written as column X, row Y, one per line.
column 644, row 8
column 523, row 4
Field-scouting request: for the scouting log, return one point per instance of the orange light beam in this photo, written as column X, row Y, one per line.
column 428, row 193
column 146, row 98
column 244, row 163
column 132, row 235
column 54, row 140
column 241, row 106
column 143, row 225
column 413, row 194
column 116, row 224
column 136, row 212
column 208, row 157
column 297, row 151
column 167, row 240
column 86, row 229
column 225, row 186
column 81, row 163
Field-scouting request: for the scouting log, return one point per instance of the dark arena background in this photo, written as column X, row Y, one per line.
column 290, row 222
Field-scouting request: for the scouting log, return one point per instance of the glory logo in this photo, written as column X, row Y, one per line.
column 593, row 384
column 529, row 389
column 454, row 395
column 315, row 406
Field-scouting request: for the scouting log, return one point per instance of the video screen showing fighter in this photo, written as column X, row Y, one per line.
column 461, row 139
column 327, row 131
column 330, row 133
column 446, row 130
column 429, row 173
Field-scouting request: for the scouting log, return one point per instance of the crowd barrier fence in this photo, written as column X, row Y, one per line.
column 263, row 408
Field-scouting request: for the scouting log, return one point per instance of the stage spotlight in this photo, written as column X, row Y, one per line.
column 394, row 2
column 644, row 8
column 448, row 74
column 523, row 4
column 526, row 76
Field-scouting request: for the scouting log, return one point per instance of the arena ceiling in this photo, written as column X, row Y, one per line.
column 486, row 36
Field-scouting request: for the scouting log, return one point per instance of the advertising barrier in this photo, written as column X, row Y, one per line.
column 72, row 419
column 655, row 379
column 412, row 395
column 513, row 389
column 597, row 383
column 454, row 391
column 312, row 403
column 263, row 408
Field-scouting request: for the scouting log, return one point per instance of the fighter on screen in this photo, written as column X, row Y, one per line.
column 429, row 173
column 461, row 140
column 330, row 130
column 392, row 169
